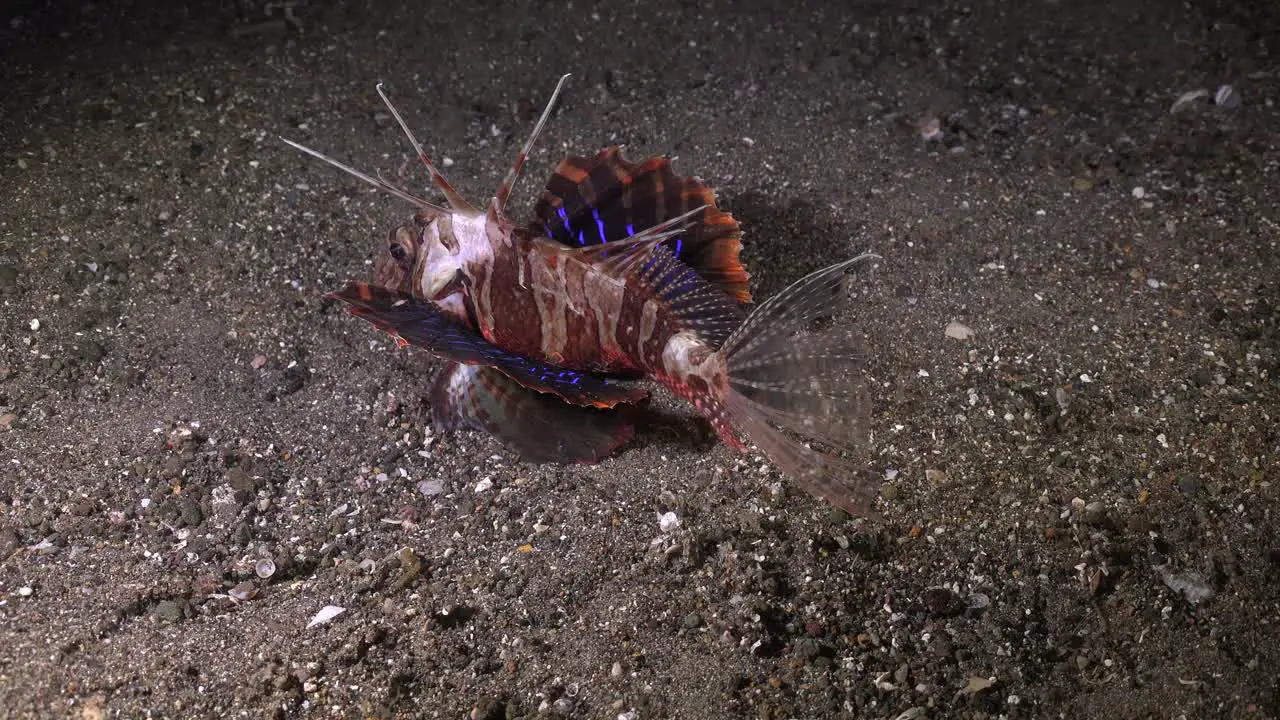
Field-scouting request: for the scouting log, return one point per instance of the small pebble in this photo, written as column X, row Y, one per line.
column 265, row 568
column 258, row 362
column 1187, row 98
column 243, row 592
column 979, row 601
column 25, row 591
column 669, row 522
column 1063, row 398
column 1227, row 97
column 930, row 129
column 1192, row 585
column 34, row 324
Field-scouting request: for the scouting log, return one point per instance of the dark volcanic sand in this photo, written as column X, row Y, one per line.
column 1079, row 500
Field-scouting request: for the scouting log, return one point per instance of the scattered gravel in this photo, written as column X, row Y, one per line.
column 220, row 496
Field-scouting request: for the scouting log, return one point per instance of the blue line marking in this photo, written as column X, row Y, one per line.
column 581, row 239
column 679, row 243
column 564, row 217
column 630, row 230
column 599, row 224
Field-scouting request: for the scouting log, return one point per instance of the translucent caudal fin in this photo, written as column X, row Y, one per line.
column 788, row 386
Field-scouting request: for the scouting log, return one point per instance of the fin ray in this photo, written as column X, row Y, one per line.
column 509, row 182
column 788, row 385
column 699, row 306
column 456, row 201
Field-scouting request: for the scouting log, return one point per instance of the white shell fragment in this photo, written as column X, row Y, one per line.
column 958, row 331
column 265, row 568
column 668, row 522
column 1191, row 584
column 1187, row 98
column 1227, row 98
column 327, row 613
column 243, row 592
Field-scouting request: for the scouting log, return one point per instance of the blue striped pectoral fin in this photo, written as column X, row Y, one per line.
column 423, row 324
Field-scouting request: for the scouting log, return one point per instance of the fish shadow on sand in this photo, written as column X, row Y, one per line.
column 783, row 242
column 673, row 427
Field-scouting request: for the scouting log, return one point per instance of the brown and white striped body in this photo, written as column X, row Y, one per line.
column 638, row 275
column 546, row 300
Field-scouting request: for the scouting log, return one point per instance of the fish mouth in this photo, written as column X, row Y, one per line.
column 443, row 286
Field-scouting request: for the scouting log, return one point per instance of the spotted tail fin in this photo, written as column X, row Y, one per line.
column 788, row 386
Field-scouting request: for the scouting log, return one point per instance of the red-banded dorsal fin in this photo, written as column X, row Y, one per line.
column 606, row 198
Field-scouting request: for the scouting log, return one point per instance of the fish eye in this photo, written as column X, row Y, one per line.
column 400, row 245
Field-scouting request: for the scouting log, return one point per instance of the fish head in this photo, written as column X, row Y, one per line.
column 430, row 257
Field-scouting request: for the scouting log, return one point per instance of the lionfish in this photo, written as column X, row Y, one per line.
column 626, row 271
